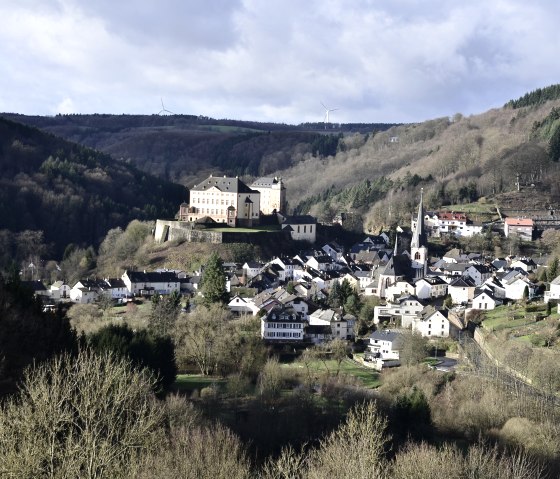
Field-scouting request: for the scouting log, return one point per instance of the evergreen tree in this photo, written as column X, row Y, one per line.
column 165, row 310
column 335, row 299
column 213, row 285
column 552, row 270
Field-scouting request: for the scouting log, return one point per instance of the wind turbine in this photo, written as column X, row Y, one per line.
column 327, row 111
column 163, row 111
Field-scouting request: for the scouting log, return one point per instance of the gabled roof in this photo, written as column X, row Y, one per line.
column 300, row 220
column 225, row 184
column 430, row 310
column 386, row 335
column 462, row 282
column 519, row 222
column 152, row 276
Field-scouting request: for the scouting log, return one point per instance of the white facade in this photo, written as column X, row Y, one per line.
column 484, row 301
column 283, row 325
column 215, row 196
column 432, row 323
column 427, row 288
column 273, row 194
column 385, row 344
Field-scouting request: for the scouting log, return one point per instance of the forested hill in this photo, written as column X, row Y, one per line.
column 456, row 160
column 71, row 193
column 187, row 148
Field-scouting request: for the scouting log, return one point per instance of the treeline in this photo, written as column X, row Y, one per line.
column 536, row 97
column 71, row 193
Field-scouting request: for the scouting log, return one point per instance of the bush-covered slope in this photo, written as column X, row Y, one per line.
column 72, row 193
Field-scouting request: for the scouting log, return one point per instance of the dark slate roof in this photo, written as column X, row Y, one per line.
column 300, row 220
column 152, row 277
column 386, row 335
column 116, row 283
column 225, row 184
column 34, row 286
column 462, row 282
column 266, row 182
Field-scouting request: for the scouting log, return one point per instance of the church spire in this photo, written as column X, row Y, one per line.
column 418, row 239
column 396, row 243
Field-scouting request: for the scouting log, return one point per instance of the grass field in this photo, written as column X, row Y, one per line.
column 190, row 382
column 506, row 317
column 368, row 377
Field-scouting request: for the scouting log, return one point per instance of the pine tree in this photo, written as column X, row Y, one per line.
column 213, row 285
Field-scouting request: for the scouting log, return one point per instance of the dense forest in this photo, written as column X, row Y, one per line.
column 53, row 193
column 187, row 148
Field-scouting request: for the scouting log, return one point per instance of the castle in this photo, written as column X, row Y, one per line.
column 230, row 201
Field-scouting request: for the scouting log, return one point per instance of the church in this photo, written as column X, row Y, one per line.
column 399, row 274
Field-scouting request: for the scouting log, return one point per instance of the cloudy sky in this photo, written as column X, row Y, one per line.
column 275, row 60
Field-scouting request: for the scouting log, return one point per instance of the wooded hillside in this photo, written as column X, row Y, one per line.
column 69, row 192
column 456, row 160
column 187, row 148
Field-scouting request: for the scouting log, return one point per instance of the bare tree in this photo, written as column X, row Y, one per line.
column 89, row 416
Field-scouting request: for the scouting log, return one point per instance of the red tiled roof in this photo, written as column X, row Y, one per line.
column 519, row 221
column 451, row 216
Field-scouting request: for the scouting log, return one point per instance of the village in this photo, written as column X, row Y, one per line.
column 303, row 300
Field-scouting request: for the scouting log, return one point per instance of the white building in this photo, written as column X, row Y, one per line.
column 430, row 287
column 461, row 290
column 441, row 223
column 301, row 228
column 432, row 322
column 342, row 327
column 59, row 290
column 149, row 283
column 404, row 310
column 273, row 194
column 225, row 200
column 484, row 300
column 385, row 344
column 282, row 324
column 554, row 292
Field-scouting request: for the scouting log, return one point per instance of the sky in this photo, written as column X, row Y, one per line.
column 285, row 61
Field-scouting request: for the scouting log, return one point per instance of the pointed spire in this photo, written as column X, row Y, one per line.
column 418, row 238
column 396, row 243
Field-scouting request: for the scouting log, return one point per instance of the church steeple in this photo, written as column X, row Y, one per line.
column 419, row 237
column 418, row 249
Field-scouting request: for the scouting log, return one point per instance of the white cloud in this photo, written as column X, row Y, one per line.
column 276, row 60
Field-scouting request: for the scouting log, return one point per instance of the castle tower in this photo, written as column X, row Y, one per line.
column 418, row 249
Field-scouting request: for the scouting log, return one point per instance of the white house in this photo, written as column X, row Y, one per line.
column 443, row 223
column 283, row 324
column 83, row 295
column 484, row 300
column 515, row 288
column 240, row 306
column 554, row 292
column 149, row 283
column 403, row 310
column 461, row 290
column 59, row 290
column 522, row 227
column 341, row 326
column 116, row 288
column 252, row 268
column 479, row 273
column 430, row 287
column 432, row 322
column 385, row 344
